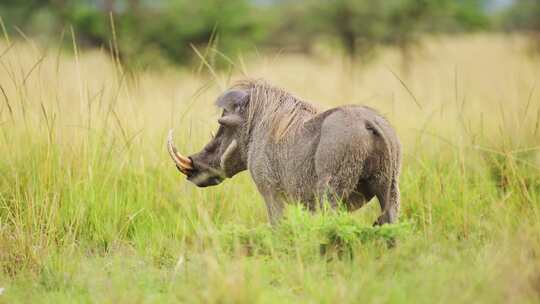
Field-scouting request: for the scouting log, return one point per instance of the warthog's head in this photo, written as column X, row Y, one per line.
column 224, row 155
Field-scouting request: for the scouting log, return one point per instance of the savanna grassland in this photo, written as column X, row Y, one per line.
column 93, row 210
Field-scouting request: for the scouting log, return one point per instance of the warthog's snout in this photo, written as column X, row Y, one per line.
column 204, row 176
column 194, row 167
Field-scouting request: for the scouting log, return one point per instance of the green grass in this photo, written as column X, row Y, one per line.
column 92, row 209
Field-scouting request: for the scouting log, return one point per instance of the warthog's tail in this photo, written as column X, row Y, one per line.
column 389, row 195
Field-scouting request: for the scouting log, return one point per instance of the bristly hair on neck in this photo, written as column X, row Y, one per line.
column 276, row 110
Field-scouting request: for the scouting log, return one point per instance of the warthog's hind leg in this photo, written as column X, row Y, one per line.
column 336, row 183
column 339, row 158
column 388, row 196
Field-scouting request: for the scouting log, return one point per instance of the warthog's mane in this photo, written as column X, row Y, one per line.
column 273, row 109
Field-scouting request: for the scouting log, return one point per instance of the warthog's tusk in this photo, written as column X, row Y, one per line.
column 183, row 163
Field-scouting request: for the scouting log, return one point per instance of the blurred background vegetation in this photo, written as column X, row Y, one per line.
column 147, row 33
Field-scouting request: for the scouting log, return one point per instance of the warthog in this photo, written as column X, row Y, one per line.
column 347, row 154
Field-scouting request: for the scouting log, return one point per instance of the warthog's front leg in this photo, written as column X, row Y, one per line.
column 274, row 205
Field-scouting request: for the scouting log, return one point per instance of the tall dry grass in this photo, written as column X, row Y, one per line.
column 91, row 208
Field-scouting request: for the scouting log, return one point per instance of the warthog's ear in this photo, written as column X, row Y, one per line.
column 232, row 99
